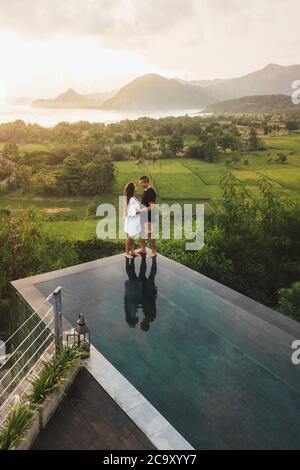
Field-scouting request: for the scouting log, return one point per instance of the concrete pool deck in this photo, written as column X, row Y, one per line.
column 89, row 419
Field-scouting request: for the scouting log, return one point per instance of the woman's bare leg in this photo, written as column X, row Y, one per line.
column 128, row 245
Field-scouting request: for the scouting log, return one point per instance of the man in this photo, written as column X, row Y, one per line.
column 148, row 201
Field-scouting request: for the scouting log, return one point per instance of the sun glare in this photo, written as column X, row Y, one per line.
column 45, row 68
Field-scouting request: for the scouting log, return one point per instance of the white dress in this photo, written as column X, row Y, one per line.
column 132, row 223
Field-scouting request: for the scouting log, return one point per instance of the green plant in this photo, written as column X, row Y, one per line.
column 53, row 374
column 15, row 426
column 289, row 301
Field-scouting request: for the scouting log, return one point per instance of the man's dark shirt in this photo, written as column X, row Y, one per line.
column 149, row 196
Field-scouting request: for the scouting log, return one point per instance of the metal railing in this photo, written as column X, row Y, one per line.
column 44, row 335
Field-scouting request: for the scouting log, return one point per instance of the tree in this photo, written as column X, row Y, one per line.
column 254, row 141
column 57, row 156
column 98, row 177
column 176, row 143
column 11, row 151
column 70, row 178
column 136, row 151
column 229, row 141
column 23, row 177
column 292, row 125
column 195, row 151
column 210, row 150
column 44, row 184
column 119, row 153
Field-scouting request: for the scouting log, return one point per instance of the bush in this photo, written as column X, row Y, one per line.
column 166, row 153
column 289, row 300
column 119, row 153
column 292, row 125
column 89, row 250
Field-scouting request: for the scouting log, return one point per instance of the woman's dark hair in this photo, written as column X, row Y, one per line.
column 129, row 191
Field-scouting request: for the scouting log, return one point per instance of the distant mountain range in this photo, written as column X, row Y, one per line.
column 149, row 92
column 70, row 99
column 153, row 92
column 254, row 104
column 271, row 80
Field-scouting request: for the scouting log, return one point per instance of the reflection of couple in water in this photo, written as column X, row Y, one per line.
column 140, row 292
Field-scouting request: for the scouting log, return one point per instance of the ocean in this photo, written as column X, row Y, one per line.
column 51, row 117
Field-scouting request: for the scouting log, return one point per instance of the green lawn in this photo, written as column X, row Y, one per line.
column 18, row 201
column 72, row 230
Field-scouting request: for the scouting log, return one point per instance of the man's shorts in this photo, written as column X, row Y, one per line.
column 147, row 230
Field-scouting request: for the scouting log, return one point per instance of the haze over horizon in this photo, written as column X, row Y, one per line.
column 47, row 46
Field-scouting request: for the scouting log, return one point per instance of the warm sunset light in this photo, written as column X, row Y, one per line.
column 47, row 46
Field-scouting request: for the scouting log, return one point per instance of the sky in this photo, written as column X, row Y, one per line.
column 47, row 46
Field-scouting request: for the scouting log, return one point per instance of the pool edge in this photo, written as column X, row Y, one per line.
column 146, row 417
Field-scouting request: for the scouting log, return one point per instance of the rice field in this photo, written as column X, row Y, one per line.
column 176, row 180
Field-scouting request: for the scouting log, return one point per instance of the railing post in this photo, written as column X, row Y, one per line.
column 58, row 319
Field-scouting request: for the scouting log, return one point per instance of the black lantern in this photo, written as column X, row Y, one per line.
column 80, row 335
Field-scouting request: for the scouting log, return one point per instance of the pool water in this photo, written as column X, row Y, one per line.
column 215, row 364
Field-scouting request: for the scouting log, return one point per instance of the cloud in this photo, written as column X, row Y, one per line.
column 159, row 29
column 112, row 41
column 117, row 23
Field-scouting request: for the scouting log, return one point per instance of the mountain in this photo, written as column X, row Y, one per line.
column 72, row 100
column 102, row 96
column 271, row 80
column 254, row 104
column 155, row 92
column 202, row 83
column 68, row 99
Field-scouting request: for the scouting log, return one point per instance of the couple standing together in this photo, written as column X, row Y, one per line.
column 138, row 217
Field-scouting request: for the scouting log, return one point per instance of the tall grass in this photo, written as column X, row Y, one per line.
column 15, row 426
column 53, row 374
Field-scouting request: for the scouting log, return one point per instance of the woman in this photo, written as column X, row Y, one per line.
column 132, row 225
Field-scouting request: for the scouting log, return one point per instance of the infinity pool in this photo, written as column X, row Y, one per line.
column 215, row 364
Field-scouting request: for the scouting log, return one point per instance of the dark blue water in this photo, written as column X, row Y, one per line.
column 219, row 374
